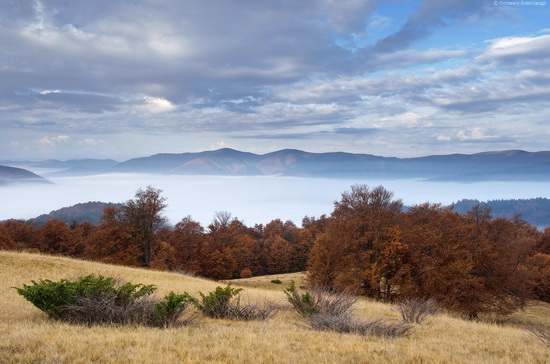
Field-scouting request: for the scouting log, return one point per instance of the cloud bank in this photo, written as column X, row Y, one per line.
column 122, row 79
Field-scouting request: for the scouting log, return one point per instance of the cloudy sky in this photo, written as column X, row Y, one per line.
column 121, row 79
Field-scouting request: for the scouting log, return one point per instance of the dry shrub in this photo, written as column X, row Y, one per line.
column 320, row 301
column 349, row 324
column 105, row 310
column 331, row 311
column 542, row 334
column 415, row 310
column 247, row 311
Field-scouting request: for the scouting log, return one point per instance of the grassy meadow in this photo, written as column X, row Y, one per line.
column 28, row 336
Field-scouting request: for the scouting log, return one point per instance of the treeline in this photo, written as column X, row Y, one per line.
column 470, row 263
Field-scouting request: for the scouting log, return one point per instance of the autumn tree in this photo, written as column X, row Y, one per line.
column 56, row 238
column 278, row 254
column 324, row 261
column 360, row 228
column 6, row 241
column 25, row 235
column 187, row 238
column 227, row 248
column 142, row 217
column 468, row 263
column 279, row 243
column 111, row 242
column 543, row 242
column 438, row 264
column 538, row 264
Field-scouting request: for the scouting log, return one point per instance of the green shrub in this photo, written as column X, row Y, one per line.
column 94, row 300
column 225, row 303
column 276, row 281
column 53, row 297
column 171, row 308
column 216, row 304
column 303, row 303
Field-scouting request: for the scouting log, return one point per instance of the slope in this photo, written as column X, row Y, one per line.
column 28, row 336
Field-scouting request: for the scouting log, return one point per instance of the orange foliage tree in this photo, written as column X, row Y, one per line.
column 142, row 217
column 348, row 255
column 468, row 263
column 187, row 238
column 25, row 235
column 57, row 238
column 110, row 242
column 6, row 241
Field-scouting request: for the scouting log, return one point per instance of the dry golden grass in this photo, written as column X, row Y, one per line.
column 264, row 282
column 28, row 336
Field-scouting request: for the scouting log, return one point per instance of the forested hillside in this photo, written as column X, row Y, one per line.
column 82, row 212
column 535, row 211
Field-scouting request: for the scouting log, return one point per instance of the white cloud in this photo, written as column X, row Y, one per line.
column 157, row 105
column 47, row 92
column 474, row 134
column 222, row 144
column 524, row 47
column 92, row 141
column 46, row 140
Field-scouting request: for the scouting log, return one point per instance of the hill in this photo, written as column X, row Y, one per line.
column 82, row 212
column 28, row 336
column 10, row 175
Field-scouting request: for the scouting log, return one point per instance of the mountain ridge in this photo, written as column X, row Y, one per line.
column 511, row 164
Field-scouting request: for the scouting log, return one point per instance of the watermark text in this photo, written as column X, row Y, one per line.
column 519, row 3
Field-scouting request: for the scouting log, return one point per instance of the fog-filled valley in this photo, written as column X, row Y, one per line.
column 257, row 199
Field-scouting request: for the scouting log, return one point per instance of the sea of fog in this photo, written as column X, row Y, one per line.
column 250, row 199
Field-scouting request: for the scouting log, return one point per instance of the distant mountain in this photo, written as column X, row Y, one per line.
column 83, row 212
column 503, row 165
column 71, row 167
column 78, row 167
column 11, row 175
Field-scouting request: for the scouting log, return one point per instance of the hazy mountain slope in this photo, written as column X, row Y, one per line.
column 504, row 165
column 71, row 167
column 500, row 165
column 10, row 175
column 78, row 167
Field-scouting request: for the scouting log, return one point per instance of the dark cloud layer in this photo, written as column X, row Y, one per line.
column 208, row 70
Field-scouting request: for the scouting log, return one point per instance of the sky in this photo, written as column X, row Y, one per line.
column 124, row 79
